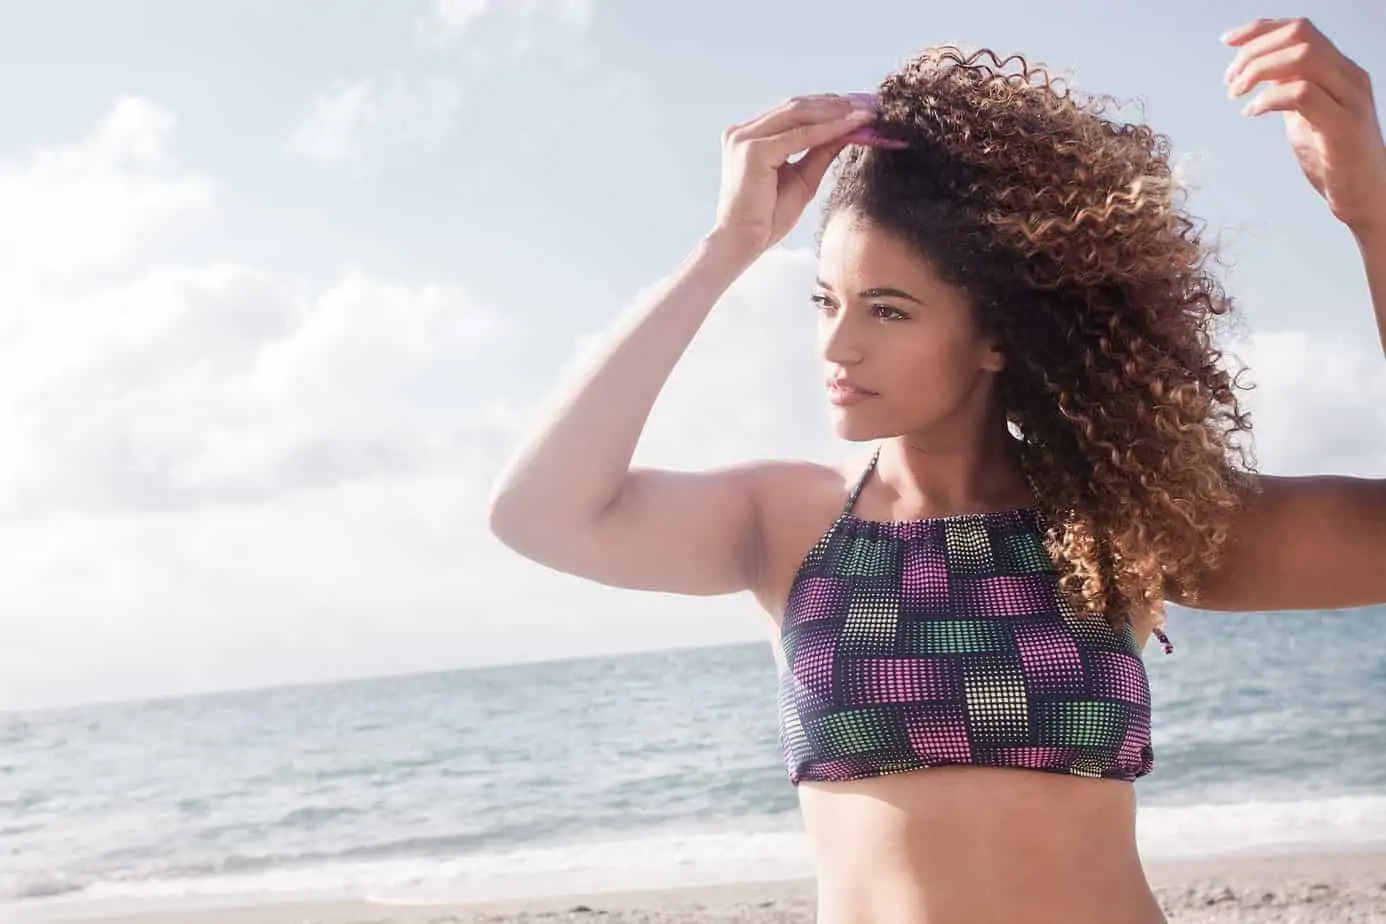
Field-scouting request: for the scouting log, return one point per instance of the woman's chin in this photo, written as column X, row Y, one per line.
column 852, row 428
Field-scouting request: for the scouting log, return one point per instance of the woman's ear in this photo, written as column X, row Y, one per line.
column 995, row 359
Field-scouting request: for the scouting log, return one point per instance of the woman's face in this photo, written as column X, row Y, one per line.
column 903, row 344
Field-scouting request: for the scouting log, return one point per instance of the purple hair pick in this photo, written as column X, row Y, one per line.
column 867, row 135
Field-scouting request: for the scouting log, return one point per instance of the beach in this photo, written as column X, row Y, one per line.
column 394, row 800
column 1343, row 888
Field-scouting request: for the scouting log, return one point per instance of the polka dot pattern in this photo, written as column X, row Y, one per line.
column 920, row 643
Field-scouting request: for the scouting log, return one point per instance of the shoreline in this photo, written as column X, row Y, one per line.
column 1342, row 887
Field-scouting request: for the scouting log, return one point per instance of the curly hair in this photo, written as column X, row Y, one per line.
column 1065, row 226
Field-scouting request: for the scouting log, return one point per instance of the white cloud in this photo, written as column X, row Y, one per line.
column 394, row 116
column 151, row 386
column 1319, row 402
column 190, row 386
column 215, row 475
column 402, row 116
column 454, row 17
column 575, row 13
column 371, row 577
column 449, row 21
column 90, row 205
column 183, row 446
column 329, row 131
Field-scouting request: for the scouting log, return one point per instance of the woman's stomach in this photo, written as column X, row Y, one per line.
column 975, row 845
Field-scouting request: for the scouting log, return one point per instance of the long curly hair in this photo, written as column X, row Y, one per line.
column 1066, row 227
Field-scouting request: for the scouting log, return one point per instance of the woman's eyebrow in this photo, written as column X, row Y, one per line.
column 878, row 293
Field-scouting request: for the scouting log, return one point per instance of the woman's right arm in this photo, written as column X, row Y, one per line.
column 569, row 498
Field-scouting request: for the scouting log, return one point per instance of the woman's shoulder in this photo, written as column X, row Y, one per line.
column 797, row 501
column 794, row 484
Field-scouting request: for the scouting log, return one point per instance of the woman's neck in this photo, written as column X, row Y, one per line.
column 957, row 473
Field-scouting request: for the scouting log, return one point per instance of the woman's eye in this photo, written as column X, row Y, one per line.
column 884, row 312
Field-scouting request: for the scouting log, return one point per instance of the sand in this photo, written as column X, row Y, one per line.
column 1347, row 888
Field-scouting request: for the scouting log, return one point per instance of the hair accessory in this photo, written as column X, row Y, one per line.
column 867, row 135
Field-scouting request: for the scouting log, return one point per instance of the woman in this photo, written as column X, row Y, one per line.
column 1015, row 309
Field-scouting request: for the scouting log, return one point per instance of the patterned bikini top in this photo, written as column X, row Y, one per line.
column 919, row 643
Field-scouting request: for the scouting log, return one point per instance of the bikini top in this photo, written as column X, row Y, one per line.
column 919, row 643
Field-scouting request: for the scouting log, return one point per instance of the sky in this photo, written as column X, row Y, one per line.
column 282, row 284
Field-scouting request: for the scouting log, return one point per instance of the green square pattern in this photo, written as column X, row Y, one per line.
column 955, row 636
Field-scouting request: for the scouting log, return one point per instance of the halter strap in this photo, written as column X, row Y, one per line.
column 861, row 482
column 871, row 467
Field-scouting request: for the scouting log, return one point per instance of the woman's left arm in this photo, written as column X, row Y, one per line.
column 1316, row 542
column 1373, row 247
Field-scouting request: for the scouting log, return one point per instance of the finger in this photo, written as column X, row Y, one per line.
column 1298, row 33
column 1298, row 62
column 1301, row 96
column 1248, row 31
column 812, row 97
column 796, row 113
column 774, row 150
column 1289, row 33
column 813, row 165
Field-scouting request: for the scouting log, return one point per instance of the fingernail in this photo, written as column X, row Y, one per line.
column 863, row 101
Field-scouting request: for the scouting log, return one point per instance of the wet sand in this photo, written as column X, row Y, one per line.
column 1348, row 888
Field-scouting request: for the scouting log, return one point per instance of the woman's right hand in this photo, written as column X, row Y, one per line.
column 762, row 194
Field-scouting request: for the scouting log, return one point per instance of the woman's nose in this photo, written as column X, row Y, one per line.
column 839, row 343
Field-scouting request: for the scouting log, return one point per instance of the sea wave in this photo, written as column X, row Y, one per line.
column 668, row 859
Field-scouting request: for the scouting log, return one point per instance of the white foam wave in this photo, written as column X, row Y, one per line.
column 1262, row 827
column 663, row 860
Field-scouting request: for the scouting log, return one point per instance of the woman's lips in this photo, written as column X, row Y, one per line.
column 845, row 395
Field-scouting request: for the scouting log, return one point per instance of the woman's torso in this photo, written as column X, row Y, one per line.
column 949, row 844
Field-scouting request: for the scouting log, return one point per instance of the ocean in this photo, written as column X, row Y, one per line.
column 649, row 769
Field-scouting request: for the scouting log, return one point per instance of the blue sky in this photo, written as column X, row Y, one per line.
column 281, row 284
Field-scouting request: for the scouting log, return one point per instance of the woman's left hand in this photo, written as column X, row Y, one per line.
column 1330, row 116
